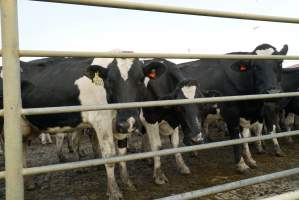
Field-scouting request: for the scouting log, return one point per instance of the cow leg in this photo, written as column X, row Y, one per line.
column 94, row 143
column 105, row 138
column 29, row 182
column 155, row 143
column 74, row 143
column 124, row 174
column 48, row 138
column 289, row 122
column 246, row 151
column 43, row 138
column 59, row 146
column 233, row 127
column 259, row 130
column 183, row 168
column 278, row 151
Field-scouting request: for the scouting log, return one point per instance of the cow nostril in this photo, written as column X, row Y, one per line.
column 123, row 126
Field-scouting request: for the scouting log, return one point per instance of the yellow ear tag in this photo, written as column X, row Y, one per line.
column 97, row 80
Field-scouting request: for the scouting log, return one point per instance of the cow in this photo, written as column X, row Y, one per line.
column 166, row 120
column 239, row 77
column 53, row 82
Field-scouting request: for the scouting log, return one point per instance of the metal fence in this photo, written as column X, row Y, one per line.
column 12, row 112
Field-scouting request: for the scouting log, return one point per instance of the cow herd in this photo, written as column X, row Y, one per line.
column 54, row 82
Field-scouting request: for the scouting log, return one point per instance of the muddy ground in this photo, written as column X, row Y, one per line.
column 211, row 167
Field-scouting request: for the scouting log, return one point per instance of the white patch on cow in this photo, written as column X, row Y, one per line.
column 165, row 128
column 265, row 52
column 189, row 91
column 103, row 62
column 1, row 73
column 124, row 66
column 131, row 121
column 146, row 81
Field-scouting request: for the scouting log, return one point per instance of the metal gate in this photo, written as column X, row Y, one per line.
column 12, row 112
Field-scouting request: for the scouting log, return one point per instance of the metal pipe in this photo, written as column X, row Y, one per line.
column 95, row 162
column 177, row 10
column 12, row 101
column 294, row 195
column 42, row 53
column 231, row 186
column 68, row 109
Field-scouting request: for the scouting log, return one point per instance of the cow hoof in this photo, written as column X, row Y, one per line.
column 160, row 177
column 261, row 151
column 280, row 153
column 30, row 186
column 130, row 186
column 245, row 172
column 115, row 196
column 184, row 170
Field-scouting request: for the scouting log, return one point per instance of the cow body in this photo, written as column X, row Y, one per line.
column 238, row 77
column 166, row 120
column 54, row 82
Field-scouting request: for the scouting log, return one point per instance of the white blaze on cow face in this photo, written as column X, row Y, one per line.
column 103, row 62
column 265, row 52
column 189, row 91
column 131, row 121
column 124, row 66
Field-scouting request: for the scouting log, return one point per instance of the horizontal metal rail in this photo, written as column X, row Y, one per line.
column 165, row 152
column 41, row 53
column 177, row 10
column 68, row 109
column 294, row 195
column 232, row 185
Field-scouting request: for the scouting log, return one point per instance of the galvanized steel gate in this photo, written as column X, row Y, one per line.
column 14, row 170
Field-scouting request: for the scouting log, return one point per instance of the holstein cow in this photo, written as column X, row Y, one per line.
column 239, row 77
column 167, row 119
column 53, row 82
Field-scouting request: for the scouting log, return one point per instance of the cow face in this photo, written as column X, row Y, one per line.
column 268, row 72
column 190, row 113
column 265, row 75
column 124, row 82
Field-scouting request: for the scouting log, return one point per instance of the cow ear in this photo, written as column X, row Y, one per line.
column 96, row 73
column 154, row 69
column 284, row 50
column 241, row 66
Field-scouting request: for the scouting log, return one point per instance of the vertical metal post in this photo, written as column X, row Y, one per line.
column 12, row 101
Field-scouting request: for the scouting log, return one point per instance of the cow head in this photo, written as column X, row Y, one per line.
column 124, row 81
column 173, row 85
column 266, row 74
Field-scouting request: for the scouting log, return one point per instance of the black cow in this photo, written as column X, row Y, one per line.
column 53, row 82
column 239, row 77
column 166, row 120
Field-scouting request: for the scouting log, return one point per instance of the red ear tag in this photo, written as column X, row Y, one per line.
column 152, row 73
column 243, row 68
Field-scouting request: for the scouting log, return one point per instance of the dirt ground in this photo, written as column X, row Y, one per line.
column 211, row 167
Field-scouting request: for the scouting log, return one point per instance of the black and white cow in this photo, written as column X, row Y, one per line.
column 166, row 120
column 53, row 82
column 239, row 77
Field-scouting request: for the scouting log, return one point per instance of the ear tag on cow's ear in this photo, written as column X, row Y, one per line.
column 152, row 74
column 243, row 68
column 97, row 80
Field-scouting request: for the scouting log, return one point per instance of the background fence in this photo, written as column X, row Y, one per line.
column 12, row 112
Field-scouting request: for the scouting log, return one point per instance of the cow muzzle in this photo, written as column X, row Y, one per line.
column 198, row 139
column 128, row 126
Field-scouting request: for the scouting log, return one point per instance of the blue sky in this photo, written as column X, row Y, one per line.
column 50, row 26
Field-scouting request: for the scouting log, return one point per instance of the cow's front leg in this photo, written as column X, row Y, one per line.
column 59, row 146
column 183, row 168
column 105, row 138
column 278, row 151
column 258, row 132
column 152, row 131
column 29, row 181
column 124, row 174
column 246, row 151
